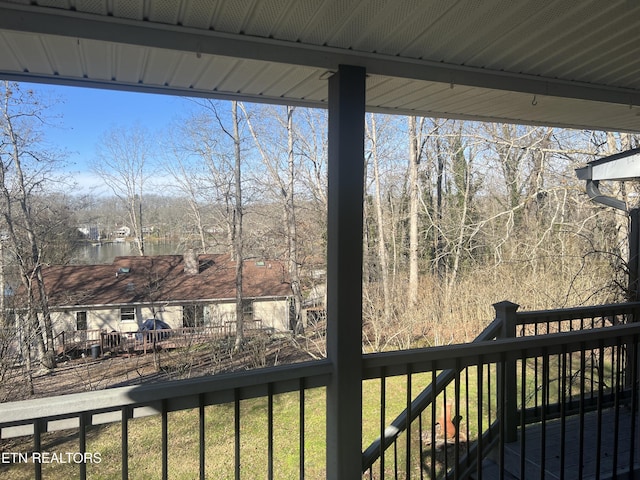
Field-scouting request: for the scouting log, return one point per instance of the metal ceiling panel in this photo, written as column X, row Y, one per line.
column 8, row 47
column 97, row 60
column 161, row 67
column 129, row 62
column 555, row 62
column 185, row 72
column 64, row 57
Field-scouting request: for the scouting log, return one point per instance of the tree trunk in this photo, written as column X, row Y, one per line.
column 440, row 260
column 382, row 244
column 237, row 237
column 292, row 236
column 414, row 161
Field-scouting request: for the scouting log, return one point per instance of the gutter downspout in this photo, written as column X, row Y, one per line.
column 593, row 190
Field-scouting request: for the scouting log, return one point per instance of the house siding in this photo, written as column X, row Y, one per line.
column 272, row 314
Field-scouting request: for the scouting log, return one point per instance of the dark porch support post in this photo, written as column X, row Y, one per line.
column 344, row 272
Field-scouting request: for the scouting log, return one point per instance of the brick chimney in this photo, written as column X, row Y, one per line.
column 190, row 260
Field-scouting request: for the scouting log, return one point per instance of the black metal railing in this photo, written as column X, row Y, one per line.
column 564, row 364
column 518, row 397
column 249, row 452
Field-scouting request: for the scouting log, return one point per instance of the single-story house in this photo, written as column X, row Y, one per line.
column 183, row 291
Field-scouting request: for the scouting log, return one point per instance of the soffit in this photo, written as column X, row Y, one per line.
column 556, row 62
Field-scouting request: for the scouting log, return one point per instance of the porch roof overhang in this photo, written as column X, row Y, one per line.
column 553, row 62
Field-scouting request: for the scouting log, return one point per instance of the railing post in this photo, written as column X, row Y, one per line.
column 506, row 312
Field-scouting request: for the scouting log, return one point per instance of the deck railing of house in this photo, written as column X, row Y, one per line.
column 462, row 404
column 74, row 342
column 467, row 402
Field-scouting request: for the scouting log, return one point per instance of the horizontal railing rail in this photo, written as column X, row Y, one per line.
column 631, row 309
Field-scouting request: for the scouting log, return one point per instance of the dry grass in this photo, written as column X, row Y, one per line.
column 457, row 314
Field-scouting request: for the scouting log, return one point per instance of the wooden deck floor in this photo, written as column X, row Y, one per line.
column 598, row 460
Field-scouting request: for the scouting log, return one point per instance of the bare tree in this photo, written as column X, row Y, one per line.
column 226, row 172
column 377, row 200
column 416, row 147
column 124, row 162
column 25, row 168
column 188, row 175
column 281, row 175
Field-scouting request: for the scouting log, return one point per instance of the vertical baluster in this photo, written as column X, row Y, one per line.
column 523, row 410
column 408, row 426
column 37, row 447
column 599, row 410
column 421, row 450
column 535, row 379
column 433, row 423
column 270, row 431
column 302, row 426
column 480, row 429
column 570, row 378
column 489, row 417
column 634, row 402
column 202, row 432
column 501, row 407
column 543, row 411
column 616, row 403
column 236, row 427
column 82, row 434
column 165, row 441
column 593, row 362
column 456, row 416
column 559, row 374
column 582, row 412
column 563, row 403
column 547, row 386
column 466, row 415
column 124, row 442
column 383, row 420
column 445, row 432
column 395, row 458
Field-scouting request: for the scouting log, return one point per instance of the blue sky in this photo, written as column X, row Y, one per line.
column 86, row 113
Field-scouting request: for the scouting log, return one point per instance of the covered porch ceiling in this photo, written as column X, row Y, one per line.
column 564, row 63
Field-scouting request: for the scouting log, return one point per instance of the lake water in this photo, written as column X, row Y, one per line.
column 106, row 252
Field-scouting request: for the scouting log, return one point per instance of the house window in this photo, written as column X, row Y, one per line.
column 127, row 314
column 81, row 320
column 247, row 310
column 193, row 316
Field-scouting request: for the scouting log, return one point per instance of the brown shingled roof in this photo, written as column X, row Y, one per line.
column 161, row 278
